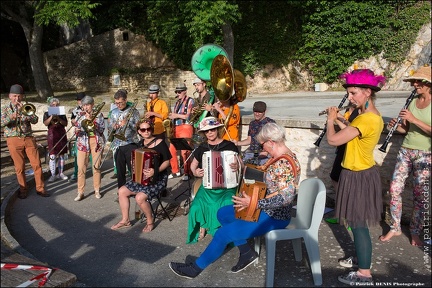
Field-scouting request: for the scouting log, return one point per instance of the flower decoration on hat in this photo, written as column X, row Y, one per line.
column 209, row 123
column 364, row 78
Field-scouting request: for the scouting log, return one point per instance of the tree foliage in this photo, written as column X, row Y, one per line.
column 337, row 33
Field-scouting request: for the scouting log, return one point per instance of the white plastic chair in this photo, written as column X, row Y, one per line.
column 310, row 210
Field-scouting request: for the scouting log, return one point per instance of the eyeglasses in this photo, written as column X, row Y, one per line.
column 262, row 144
column 145, row 129
column 213, row 129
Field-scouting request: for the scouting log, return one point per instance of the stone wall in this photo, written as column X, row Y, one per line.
column 87, row 65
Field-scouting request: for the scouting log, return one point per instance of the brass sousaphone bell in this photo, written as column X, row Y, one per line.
column 222, row 76
column 225, row 80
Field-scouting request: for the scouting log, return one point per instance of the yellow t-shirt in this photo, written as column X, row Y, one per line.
column 159, row 106
column 359, row 151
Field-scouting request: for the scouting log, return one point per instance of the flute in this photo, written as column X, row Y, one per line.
column 324, row 112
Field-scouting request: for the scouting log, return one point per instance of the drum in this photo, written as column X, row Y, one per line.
column 195, row 186
column 183, row 131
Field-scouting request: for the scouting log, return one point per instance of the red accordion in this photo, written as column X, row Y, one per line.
column 142, row 159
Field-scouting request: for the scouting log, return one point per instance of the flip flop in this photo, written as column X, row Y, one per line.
column 120, row 225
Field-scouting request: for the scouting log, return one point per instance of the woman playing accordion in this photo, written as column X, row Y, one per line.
column 142, row 192
column 281, row 178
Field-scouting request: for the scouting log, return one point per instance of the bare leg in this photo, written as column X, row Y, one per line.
column 124, row 194
column 141, row 199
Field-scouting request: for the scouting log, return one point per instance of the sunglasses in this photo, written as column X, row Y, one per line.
column 145, row 129
column 179, row 92
column 213, row 129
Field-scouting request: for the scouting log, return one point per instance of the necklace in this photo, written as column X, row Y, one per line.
column 215, row 147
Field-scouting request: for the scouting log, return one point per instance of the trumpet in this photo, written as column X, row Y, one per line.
column 324, row 112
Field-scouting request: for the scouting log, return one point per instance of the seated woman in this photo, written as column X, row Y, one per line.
column 144, row 193
column 281, row 178
column 204, row 207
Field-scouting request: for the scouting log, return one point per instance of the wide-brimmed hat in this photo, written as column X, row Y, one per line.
column 422, row 74
column 364, row 78
column 209, row 123
column 180, row 87
column 153, row 89
column 16, row 89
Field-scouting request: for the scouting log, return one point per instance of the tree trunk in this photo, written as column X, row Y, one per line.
column 33, row 34
column 228, row 37
column 40, row 75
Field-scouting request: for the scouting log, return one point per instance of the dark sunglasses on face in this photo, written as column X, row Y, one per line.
column 145, row 129
column 213, row 129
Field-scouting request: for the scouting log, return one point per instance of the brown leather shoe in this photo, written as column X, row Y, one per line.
column 22, row 195
column 43, row 194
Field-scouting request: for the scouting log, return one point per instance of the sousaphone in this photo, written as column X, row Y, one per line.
column 240, row 86
column 222, row 77
column 202, row 60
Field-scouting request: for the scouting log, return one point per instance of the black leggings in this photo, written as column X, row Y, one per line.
column 363, row 246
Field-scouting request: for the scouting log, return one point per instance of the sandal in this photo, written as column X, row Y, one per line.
column 120, row 225
column 148, row 228
column 202, row 234
column 416, row 241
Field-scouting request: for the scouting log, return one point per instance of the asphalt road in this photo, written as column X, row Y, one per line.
column 76, row 236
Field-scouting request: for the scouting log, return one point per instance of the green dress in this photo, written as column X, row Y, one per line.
column 203, row 210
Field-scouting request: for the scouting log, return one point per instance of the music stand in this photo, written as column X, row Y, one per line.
column 182, row 144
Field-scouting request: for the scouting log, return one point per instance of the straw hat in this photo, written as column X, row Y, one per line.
column 423, row 74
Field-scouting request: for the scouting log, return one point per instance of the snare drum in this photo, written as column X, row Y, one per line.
column 195, row 187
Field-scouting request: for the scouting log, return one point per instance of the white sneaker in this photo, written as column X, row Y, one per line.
column 52, row 178
column 62, row 176
column 79, row 197
column 97, row 195
column 173, row 175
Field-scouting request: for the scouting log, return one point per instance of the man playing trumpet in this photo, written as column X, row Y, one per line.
column 20, row 140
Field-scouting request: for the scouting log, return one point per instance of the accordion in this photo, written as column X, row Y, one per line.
column 217, row 170
column 142, row 159
column 253, row 185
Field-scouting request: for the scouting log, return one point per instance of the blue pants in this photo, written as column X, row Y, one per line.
column 236, row 231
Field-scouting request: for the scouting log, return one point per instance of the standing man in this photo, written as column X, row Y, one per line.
column 203, row 102
column 157, row 111
column 255, row 154
column 77, row 112
column 123, row 120
column 182, row 129
column 20, row 141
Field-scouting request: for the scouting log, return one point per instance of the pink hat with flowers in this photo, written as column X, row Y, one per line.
column 209, row 123
column 364, row 78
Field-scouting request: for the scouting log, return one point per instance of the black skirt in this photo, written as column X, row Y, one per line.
column 359, row 198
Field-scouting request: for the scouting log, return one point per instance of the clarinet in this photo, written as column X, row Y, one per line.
column 383, row 148
column 318, row 141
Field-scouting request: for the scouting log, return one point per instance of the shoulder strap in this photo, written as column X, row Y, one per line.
column 284, row 156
